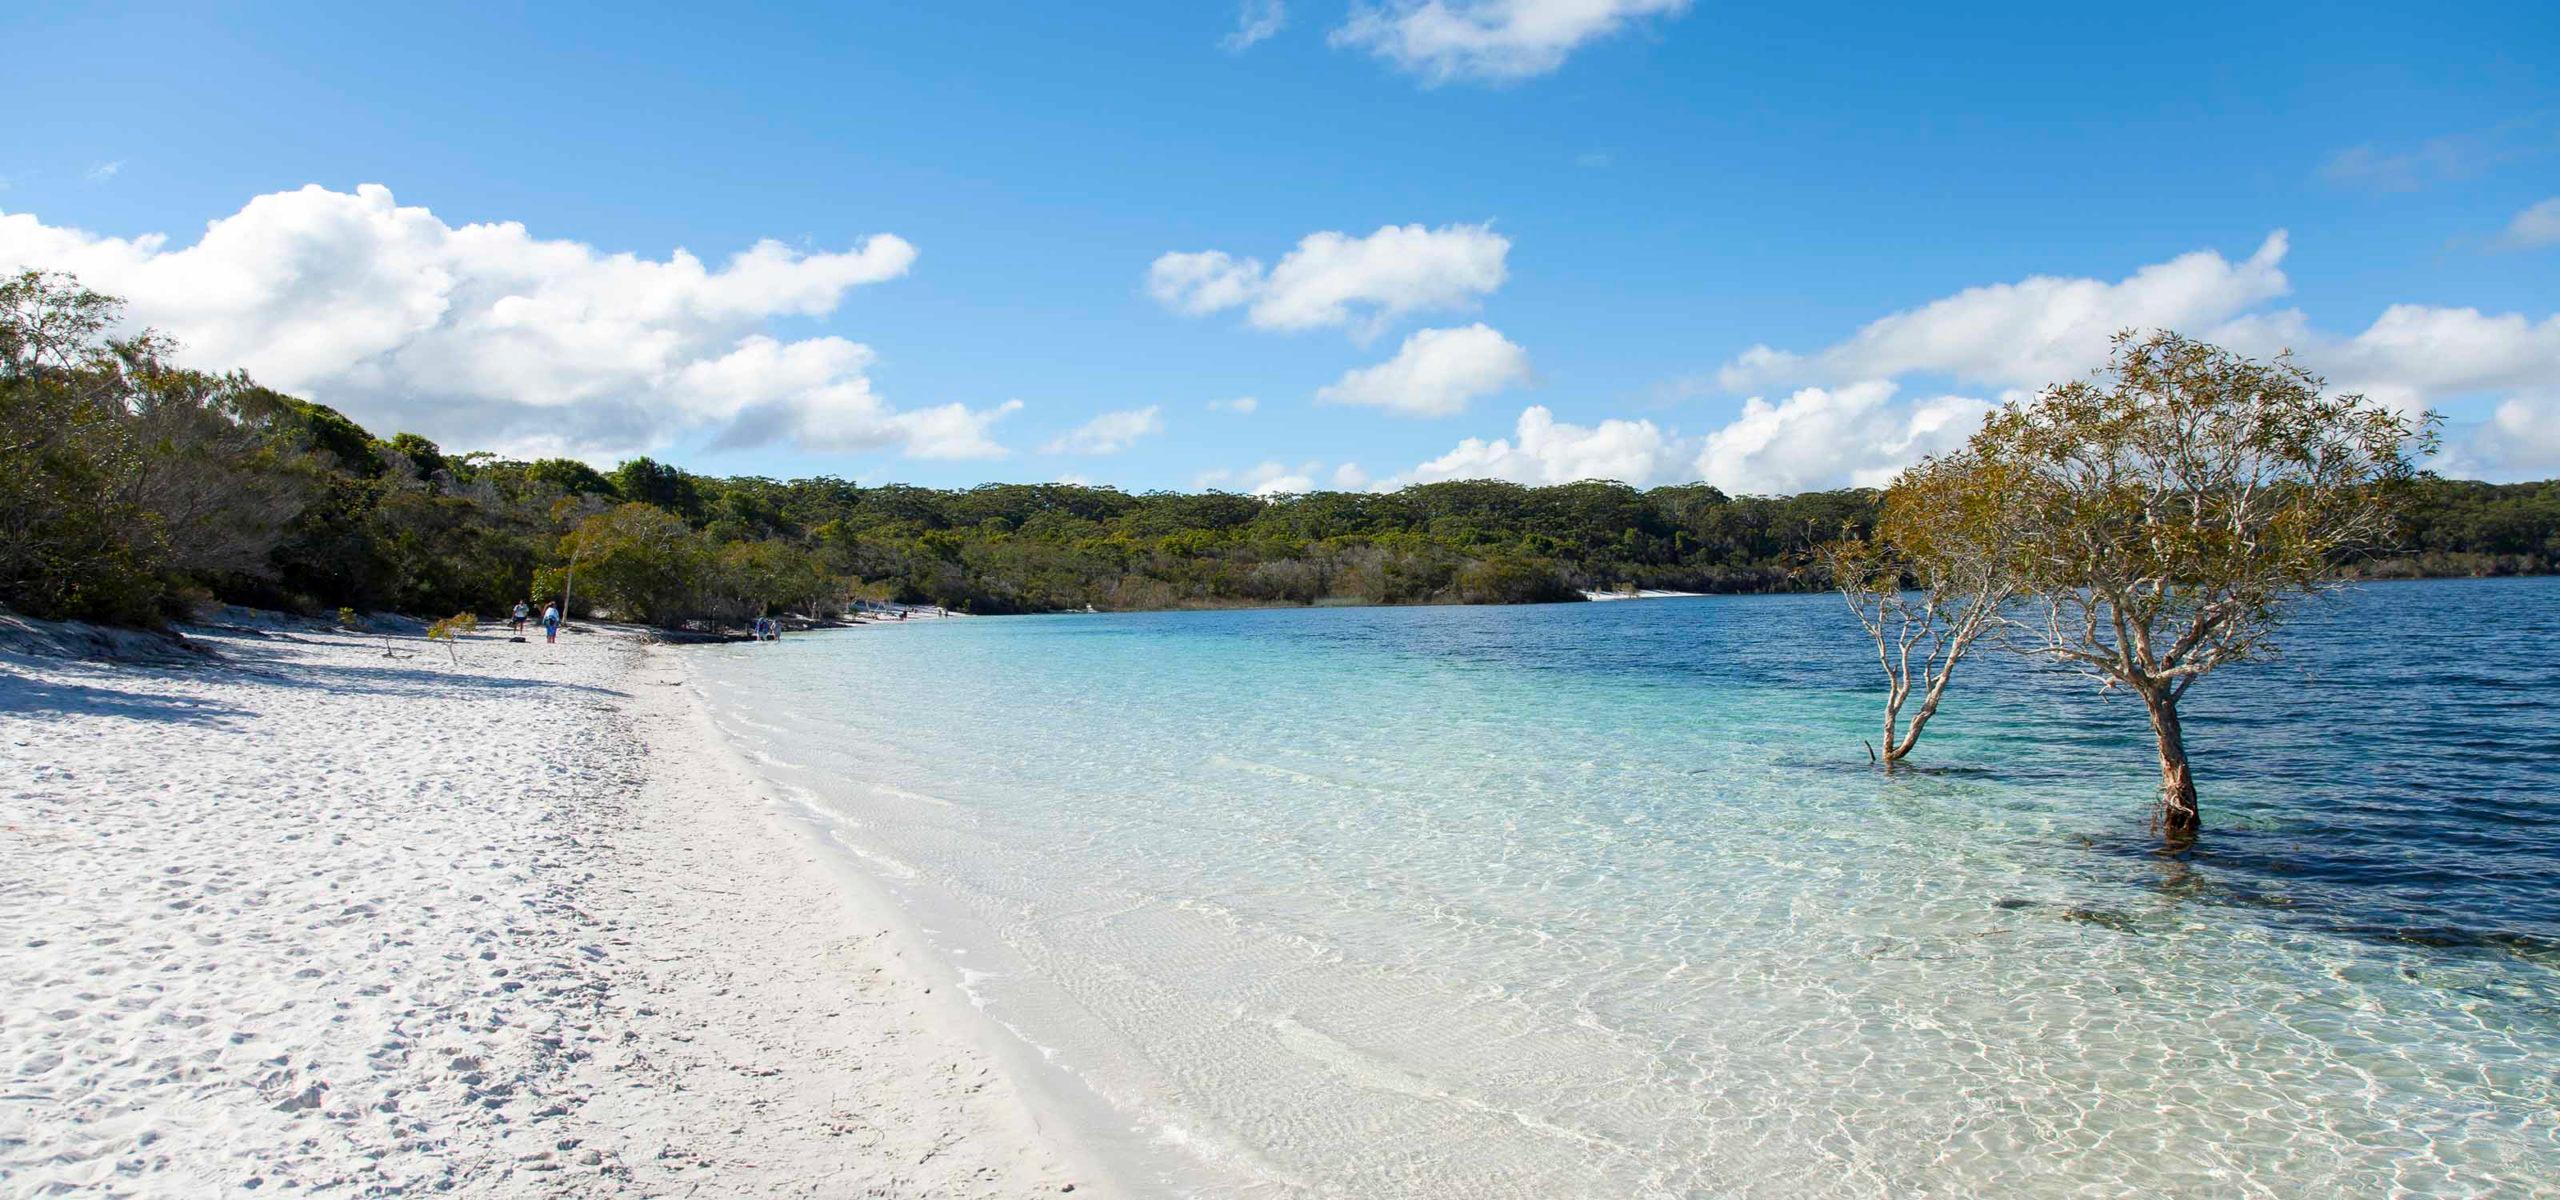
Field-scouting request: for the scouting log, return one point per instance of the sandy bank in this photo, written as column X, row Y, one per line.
column 319, row 921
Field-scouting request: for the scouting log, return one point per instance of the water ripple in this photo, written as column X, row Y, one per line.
column 1606, row 900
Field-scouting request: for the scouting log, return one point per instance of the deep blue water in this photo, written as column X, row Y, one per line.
column 1606, row 899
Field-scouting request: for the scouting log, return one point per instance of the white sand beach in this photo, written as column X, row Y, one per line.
column 315, row 920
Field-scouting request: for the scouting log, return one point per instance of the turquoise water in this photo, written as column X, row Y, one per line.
column 1604, row 899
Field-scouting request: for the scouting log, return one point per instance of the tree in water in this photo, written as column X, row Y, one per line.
column 2162, row 513
column 1927, row 584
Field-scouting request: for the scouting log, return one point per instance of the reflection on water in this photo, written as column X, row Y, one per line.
column 1604, row 899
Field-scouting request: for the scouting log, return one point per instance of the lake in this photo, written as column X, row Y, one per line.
column 1606, row 899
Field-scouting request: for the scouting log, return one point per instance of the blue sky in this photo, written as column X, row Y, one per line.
column 1671, row 185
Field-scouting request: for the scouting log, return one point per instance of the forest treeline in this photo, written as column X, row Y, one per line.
column 133, row 489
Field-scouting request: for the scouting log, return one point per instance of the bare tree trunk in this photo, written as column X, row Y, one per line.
column 1894, row 747
column 2179, row 819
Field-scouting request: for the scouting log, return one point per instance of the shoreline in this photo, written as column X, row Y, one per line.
column 313, row 919
column 1112, row 1140
column 896, row 950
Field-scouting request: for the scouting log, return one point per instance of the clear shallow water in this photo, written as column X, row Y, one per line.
column 1603, row 900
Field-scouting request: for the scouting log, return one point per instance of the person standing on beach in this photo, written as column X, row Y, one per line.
column 550, row 622
column 515, row 623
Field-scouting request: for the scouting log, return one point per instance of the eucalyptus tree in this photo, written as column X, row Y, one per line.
column 2161, row 515
column 1927, row 584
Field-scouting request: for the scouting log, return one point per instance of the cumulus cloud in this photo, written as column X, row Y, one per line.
column 1335, row 279
column 1830, row 437
column 2413, row 356
column 1544, row 450
column 2534, row 228
column 1817, row 438
column 1435, row 373
column 104, row 171
column 2520, row 440
column 1110, row 433
column 1256, row 20
column 485, row 335
column 2025, row 335
column 2032, row 332
column 1493, row 41
column 1272, row 478
column 1197, row 283
column 1241, row 405
column 947, row 431
column 1848, row 425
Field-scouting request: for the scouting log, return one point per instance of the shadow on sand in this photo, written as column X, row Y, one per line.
column 19, row 693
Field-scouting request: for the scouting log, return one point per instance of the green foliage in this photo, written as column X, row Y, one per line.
column 422, row 457
column 647, row 481
column 2157, row 516
column 2186, row 485
column 569, row 477
column 128, row 486
column 451, row 630
column 639, row 560
column 329, row 432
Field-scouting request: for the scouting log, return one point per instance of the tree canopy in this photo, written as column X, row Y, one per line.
column 2145, row 526
column 131, row 489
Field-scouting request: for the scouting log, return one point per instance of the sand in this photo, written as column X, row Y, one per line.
column 310, row 919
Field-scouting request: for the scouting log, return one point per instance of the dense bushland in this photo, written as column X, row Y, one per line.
column 132, row 489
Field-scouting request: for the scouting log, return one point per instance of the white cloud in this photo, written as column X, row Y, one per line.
column 1435, row 373
column 1256, row 20
column 484, row 335
column 1851, row 430
column 2535, row 227
column 2044, row 330
column 1543, row 450
column 2413, row 356
column 1831, row 437
column 1197, row 283
column 1110, row 433
column 1488, row 40
column 1241, row 405
column 1334, row 279
column 1276, row 478
column 2030, row 333
column 2520, row 441
column 1817, row 438
column 950, row 431
column 104, row 171
column 1272, row 478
